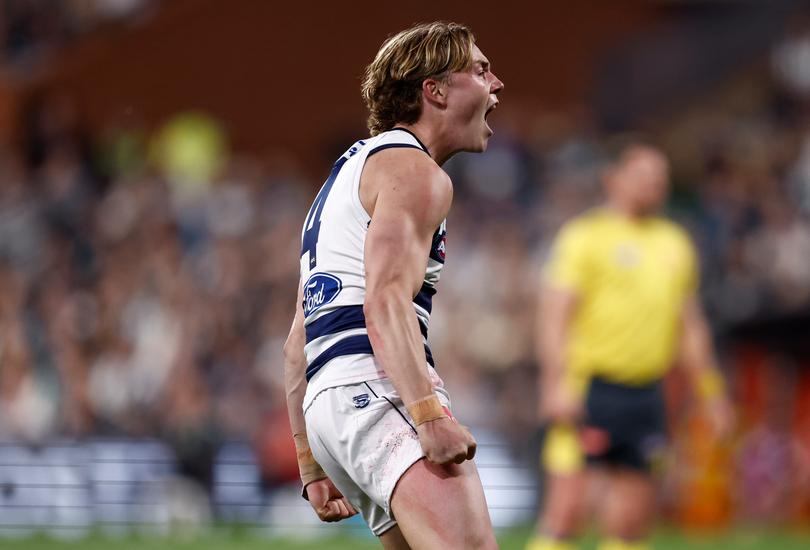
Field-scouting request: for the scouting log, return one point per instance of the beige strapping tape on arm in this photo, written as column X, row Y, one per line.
column 426, row 409
column 308, row 467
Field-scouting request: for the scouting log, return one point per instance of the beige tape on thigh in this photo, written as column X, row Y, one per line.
column 426, row 409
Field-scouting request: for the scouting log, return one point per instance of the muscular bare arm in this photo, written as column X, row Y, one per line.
column 408, row 197
column 295, row 364
column 323, row 496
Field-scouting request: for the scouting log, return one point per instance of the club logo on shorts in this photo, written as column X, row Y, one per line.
column 361, row 400
column 320, row 289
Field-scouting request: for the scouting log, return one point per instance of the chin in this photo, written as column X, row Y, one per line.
column 477, row 139
column 480, row 148
column 485, row 143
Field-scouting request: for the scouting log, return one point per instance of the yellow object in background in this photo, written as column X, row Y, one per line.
column 562, row 451
column 190, row 150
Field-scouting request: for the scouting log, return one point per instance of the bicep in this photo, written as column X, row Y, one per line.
column 409, row 208
column 396, row 250
column 557, row 306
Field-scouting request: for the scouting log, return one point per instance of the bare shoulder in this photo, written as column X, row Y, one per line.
column 406, row 178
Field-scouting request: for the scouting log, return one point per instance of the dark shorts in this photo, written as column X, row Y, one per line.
column 624, row 425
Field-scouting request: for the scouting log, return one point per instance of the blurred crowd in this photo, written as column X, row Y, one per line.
column 147, row 281
column 30, row 29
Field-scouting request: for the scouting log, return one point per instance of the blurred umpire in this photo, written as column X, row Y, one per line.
column 619, row 307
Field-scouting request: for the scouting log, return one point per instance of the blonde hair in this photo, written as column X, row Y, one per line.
column 392, row 84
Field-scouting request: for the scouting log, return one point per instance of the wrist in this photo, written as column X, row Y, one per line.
column 426, row 409
column 308, row 468
column 709, row 384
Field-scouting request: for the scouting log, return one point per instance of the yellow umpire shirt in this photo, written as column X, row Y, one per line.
column 631, row 279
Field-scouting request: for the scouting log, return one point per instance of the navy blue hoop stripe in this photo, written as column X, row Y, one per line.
column 429, row 357
column 422, row 327
column 343, row 318
column 352, row 345
column 425, row 297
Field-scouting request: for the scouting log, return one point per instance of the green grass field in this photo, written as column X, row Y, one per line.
column 509, row 540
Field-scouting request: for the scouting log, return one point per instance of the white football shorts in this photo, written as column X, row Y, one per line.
column 364, row 439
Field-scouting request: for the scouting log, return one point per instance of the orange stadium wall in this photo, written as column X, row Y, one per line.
column 285, row 75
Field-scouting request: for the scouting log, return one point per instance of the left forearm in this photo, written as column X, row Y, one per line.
column 295, row 364
column 697, row 355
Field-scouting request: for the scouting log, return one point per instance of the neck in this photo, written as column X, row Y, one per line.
column 624, row 210
column 432, row 138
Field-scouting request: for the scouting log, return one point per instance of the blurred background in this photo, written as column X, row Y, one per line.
column 157, row 159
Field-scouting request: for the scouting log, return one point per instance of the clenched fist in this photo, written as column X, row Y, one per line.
column 328, row 502
column 444, row 441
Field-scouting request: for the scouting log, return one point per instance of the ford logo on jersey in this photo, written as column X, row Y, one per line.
column 320, row 289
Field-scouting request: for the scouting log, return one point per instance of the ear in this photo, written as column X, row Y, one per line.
column 435, row 91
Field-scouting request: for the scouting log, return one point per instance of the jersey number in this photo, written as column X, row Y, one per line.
column 313, row 223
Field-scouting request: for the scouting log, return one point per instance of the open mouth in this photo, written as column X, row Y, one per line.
column 490, row 109
column 486, row 116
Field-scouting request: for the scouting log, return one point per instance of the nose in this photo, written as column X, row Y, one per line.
column 496, row 86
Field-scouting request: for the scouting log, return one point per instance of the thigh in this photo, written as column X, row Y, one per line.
column 393, row 539
column 443, row 507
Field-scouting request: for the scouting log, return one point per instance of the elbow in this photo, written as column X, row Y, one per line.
column 372, row 308
column 293, row 347
column 386, row 304
column 287, row 349
column 294, row 364
column 378, row 307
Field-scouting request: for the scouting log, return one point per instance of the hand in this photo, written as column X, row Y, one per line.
column 444, row 441
column 720, row 414
column 559, row 404
column 328, row 502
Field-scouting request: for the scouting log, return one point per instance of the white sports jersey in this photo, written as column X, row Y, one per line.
column 332, row 268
